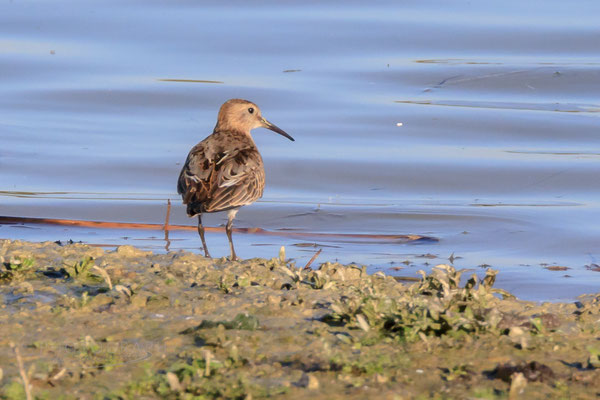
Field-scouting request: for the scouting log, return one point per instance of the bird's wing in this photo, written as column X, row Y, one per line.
column 221, row 180
column 238, row 179
column 193, row 180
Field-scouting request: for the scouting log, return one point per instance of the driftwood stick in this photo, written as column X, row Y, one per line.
column 313, row 258
column 166, row 227
column 257, row 231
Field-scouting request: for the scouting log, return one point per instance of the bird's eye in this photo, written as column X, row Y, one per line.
column 251, row 110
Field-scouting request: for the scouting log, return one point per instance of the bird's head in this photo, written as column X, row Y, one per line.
column 243, row 115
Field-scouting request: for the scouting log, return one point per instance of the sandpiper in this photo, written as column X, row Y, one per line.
column 225, row 171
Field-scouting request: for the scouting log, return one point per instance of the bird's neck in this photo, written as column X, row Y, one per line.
column 236, row 132
column 223, row 126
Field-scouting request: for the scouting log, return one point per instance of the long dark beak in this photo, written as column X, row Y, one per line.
column 275, row 128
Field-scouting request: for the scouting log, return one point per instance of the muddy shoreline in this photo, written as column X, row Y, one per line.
column 90, row 323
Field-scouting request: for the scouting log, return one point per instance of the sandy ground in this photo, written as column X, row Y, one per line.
column 80, row 322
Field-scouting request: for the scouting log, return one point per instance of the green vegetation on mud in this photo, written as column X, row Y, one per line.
column 129, row 324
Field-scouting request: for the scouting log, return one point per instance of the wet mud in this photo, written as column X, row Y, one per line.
column 82, row 322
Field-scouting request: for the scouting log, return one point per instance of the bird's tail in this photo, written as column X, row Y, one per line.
column 194, row 209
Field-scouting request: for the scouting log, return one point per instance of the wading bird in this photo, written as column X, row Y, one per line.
column 225, row 171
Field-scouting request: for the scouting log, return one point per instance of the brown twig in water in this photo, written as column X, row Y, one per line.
column 167, row 241
column 257, row 231
column 313, row 258
column 166, row 227
column 22, row 372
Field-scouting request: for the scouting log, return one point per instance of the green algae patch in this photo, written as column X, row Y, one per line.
column 129, row 324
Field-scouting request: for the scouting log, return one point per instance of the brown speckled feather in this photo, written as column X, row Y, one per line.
column 218, row 178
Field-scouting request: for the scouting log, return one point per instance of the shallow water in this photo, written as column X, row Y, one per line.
column 497, row 155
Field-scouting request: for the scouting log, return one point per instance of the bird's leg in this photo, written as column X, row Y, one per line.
column 201, row 233
column 230, row 216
